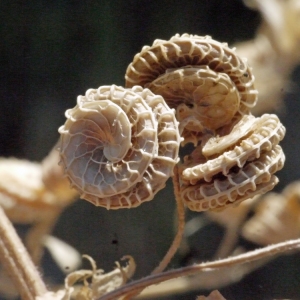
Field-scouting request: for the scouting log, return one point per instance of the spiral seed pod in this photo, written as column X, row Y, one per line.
column 207, row 99
column 248, row 139
column 119, row 146
column 204, row 80
column 255, row 178
column 235, row 167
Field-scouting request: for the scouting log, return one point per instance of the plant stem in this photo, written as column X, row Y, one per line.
column 203, row 267
column 17, row 262
column 178, row 237
column 180, row 229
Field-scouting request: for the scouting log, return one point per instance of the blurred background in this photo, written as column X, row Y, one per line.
column 53, row 51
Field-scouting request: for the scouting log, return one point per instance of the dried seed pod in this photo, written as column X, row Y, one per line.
column 23, row 194
column 226, row 170
column 275, row 47
column 100, row 283
column 276, row 217
column 254, row 178
column 217, row 86
column 203, row 99
column 27, row 200
column 212, row 90
column 247, row 140
column 119, row 146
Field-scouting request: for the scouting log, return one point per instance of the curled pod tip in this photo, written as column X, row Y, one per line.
column 118, row 146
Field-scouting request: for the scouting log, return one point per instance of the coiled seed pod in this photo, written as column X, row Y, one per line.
column 212, row 90
column 248, row 139
column 235, row 167
column 119, row 146
column 204, row 80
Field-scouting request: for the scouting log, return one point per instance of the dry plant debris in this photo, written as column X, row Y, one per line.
column 245, row 258
column 273, row 52
column 26, row 200
column 276, row 218
column 97, row 283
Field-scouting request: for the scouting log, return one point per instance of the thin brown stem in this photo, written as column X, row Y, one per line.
column 178, row 238
column 180, row 229
column 203, row 267
column 17, row 262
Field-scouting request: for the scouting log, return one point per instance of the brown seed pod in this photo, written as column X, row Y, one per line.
column 119, row 146
column 204, row 80
column 247, row 140
column 254, row 178
column 203, row 99
column 212, row 90
column 276, row 217
column 237, row 166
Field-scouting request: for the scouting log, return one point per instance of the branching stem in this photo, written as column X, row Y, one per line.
column 16, row 260
column 203, row 267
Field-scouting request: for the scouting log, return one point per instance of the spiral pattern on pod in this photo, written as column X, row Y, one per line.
column 229, row 169
column 119, row 146
column 212, row 90
column 207, row 83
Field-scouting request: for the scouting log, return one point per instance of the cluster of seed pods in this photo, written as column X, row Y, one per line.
column 120, row 145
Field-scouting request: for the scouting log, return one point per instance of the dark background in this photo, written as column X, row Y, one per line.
column 53, row 51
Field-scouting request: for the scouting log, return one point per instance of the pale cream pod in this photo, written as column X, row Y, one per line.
column 119, row 146
column 212, row 90
column 235, row 167
column 249, row 140
column 254, row 178
column 204, row 80
column 276, row 218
